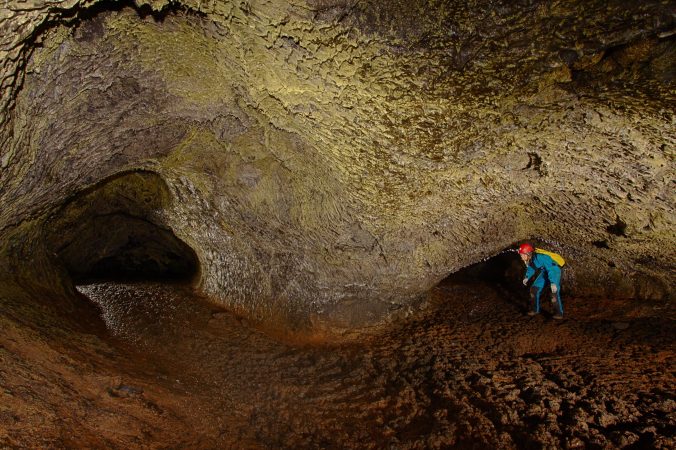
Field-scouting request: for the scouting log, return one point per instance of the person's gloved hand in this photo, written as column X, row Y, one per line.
column 554, row 288
column 525, row 281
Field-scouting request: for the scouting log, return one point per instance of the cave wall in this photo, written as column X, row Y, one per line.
column 332, row 160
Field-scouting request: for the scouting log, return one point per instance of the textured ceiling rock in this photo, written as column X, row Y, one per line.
column 332, row 160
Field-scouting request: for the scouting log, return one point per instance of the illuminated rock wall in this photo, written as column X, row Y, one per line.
column 331, row 161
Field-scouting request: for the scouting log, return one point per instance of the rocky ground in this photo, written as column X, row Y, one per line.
column 165, row 369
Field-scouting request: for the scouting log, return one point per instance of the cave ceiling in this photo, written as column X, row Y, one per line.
column 335, row 159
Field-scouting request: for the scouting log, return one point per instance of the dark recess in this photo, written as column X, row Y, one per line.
column 128, row 249
column 618, row 228
column 535, row 163
column 504, row 270
column 115, row 231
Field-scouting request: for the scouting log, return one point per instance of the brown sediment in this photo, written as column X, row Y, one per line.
column 468, row 371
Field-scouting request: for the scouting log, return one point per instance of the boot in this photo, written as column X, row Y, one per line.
column 555, row 307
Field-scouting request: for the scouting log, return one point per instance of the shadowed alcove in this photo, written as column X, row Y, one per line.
column 115, row 232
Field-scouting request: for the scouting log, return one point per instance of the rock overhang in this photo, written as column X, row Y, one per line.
column 334, row 162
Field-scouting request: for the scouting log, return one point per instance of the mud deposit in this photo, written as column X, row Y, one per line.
column 168, row 370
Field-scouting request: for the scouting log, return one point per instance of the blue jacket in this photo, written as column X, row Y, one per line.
column 549, row 270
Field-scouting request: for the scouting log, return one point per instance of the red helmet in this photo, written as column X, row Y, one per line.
column 525, row 248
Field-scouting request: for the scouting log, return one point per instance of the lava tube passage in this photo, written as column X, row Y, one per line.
column 337, row 224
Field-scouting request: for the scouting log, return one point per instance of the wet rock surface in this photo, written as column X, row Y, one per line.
column 167, row 369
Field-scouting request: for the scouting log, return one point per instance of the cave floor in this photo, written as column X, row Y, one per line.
column 470, row 370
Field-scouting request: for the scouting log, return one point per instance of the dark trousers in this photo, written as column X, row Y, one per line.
column 536, row 291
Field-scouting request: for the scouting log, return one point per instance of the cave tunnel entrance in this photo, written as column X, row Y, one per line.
column 504, row 270
column 123, row 248
column 115, row 232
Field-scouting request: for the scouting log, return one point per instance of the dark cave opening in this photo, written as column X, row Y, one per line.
column 501, row 273
column 115, row 231
column 504, row 270
column 127, row 248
